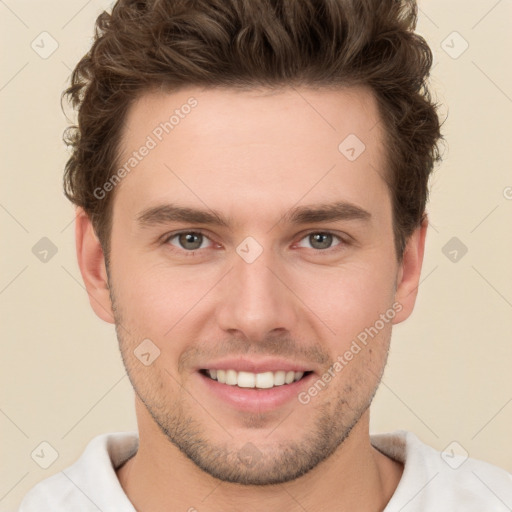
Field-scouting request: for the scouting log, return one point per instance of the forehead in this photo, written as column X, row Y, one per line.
column 267, row 146
column 279, row 115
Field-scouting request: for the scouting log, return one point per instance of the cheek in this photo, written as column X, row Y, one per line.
column 158, row 299
column 348, row 299
column 159, row 302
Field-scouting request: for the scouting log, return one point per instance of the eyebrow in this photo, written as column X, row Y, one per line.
column 329, row 212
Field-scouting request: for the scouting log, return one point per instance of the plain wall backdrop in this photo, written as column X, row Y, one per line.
column 448, row 377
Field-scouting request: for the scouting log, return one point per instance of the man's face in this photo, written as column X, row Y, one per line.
column 266, row 290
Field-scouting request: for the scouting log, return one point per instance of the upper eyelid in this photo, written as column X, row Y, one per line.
column 169, row 236
column 326, row 232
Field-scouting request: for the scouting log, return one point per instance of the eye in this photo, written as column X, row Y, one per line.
column 320, row 240
column 188, row 240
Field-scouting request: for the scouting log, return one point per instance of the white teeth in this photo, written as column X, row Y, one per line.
column 231, row 377
column 298, row 376
column 263, row 380
column 279, row 378
column 246, row 380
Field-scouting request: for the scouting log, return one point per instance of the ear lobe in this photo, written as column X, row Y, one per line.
column 91, row 261
column 409, row 273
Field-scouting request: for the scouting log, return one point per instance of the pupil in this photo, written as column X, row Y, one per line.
column 188, row 238
column 324, row 240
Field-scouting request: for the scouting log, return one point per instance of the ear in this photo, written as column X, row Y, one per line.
column 409, row 272
column 92, row 266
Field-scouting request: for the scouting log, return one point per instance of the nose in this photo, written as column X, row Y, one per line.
column 255, row 299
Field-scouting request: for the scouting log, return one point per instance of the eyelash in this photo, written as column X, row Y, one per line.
column 169, row 237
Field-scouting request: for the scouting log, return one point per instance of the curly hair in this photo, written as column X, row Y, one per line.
column 171, row 44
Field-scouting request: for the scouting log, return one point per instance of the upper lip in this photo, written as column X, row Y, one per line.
column 241, row 364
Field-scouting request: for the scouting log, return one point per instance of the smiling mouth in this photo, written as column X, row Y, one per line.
column 264, row 380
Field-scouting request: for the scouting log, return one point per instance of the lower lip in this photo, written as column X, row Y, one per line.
column 255, row 399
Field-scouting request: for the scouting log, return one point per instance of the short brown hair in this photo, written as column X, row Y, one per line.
column 171, row 44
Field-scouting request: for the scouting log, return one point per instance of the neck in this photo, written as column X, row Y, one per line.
column 357, row 476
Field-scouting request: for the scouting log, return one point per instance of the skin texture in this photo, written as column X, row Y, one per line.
column 252, row 156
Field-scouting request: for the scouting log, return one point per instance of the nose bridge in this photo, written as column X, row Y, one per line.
column 254, row 299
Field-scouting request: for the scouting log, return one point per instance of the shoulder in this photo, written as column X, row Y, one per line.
column 90, row 484
column 443, row 481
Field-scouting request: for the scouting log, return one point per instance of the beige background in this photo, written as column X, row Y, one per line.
column 449, row 374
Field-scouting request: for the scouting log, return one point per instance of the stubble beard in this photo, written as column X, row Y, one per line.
column 237, row 460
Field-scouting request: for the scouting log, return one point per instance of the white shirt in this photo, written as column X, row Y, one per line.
column 429, row 482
